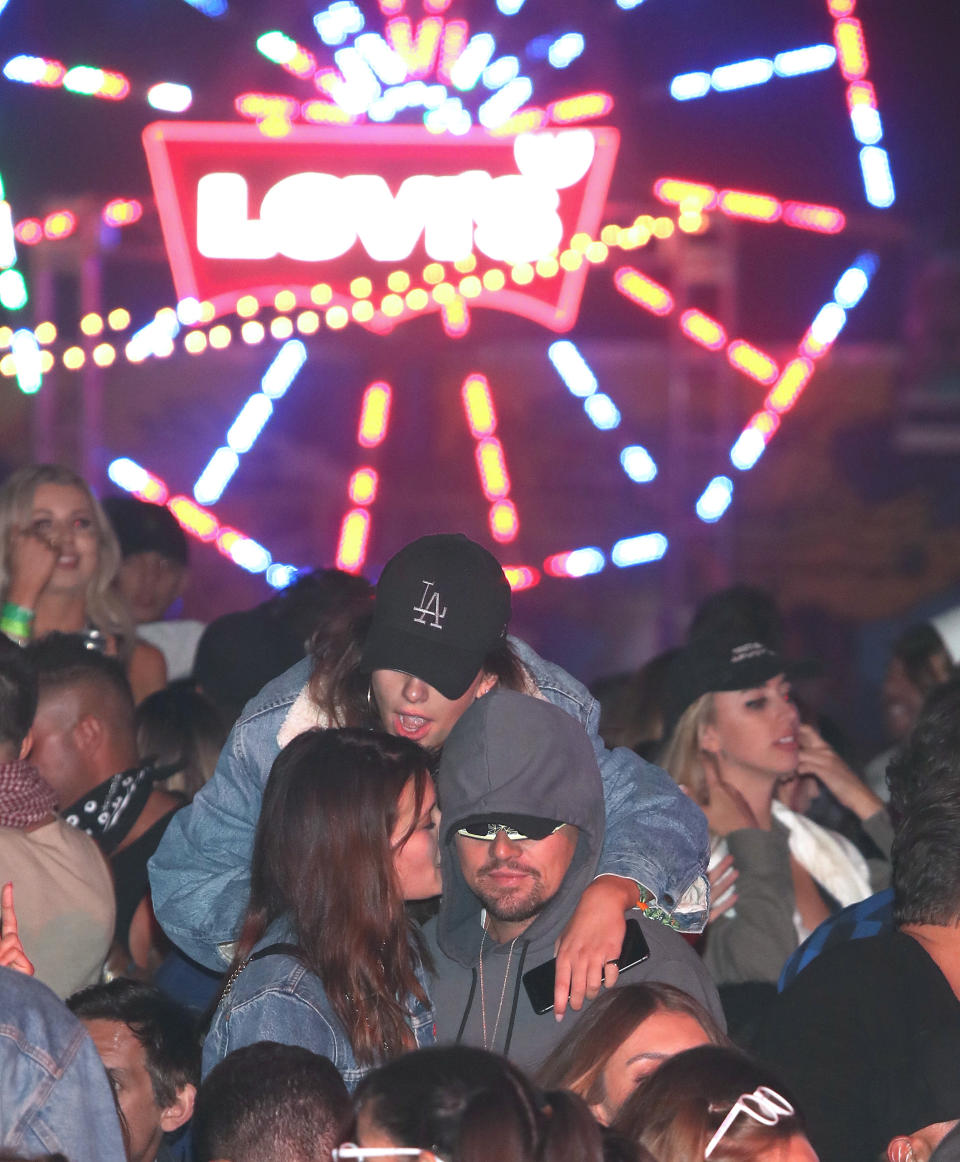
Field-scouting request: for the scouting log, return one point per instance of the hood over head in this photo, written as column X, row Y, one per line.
column 513, row 755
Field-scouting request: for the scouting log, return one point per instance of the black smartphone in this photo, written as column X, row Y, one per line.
column 539, row 981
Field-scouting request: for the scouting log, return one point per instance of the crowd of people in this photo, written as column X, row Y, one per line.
column 356, row 874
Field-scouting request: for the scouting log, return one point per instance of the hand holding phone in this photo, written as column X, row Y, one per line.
column 539, row 981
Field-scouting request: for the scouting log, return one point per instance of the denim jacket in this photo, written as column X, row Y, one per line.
column 54, row 1094
column 200, row 873
column 277, row 998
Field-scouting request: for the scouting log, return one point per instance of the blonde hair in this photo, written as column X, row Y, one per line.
column 104, row 607
column 683, row 757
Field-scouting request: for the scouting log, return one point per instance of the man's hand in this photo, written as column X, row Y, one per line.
column 590, row 944
column 723, row 896
column 11, row 950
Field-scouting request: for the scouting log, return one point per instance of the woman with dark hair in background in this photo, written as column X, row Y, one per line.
column 181, row 729
column 462, row 1104
column 326, row 956
column 922, row 659
column 622, row 1038
column 714, row 1103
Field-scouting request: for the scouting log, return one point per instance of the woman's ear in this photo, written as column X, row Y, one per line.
column 487, row 683
column 708, row 738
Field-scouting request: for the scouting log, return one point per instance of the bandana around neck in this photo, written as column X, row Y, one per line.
column 108, row 811
column 25, row 799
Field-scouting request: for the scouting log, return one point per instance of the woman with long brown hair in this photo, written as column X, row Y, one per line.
column 623, row 1037
column 327, row 957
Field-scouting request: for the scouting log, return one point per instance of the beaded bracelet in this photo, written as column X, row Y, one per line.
column 16, row 621
column 651, row 909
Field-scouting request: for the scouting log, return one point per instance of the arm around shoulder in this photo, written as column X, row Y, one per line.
column 655, row 835
column 199, row 875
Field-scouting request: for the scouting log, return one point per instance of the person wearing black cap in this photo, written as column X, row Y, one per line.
column 521, row 834
column 736, row 740
column 434, row 640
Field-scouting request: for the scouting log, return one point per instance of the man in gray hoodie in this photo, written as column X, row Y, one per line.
column 522, row 830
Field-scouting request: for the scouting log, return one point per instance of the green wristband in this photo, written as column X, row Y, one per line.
column 16, row 621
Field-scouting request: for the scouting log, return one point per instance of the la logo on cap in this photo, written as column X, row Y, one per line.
column 429, row 607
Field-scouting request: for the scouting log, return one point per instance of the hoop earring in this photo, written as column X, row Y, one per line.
column 370, row 695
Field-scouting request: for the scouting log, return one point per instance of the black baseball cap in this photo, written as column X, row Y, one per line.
column 713, row 663
column 442, row 604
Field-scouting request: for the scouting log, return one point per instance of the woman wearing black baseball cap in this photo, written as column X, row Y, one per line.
column 434, row 640
column 737, row 740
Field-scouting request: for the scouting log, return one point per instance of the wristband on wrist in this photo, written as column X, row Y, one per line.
column 16, row 621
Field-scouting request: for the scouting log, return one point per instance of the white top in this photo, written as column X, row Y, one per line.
column 177, row 641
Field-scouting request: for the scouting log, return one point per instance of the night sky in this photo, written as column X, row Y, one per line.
column 787, row 137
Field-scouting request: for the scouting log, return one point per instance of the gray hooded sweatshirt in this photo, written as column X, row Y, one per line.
column 511, row 754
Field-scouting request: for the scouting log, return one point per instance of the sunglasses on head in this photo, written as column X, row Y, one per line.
column 489, row 831
column 764, row 1105
column 349, row 1150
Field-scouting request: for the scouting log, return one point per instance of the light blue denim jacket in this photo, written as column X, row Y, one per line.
column 54, row 1094
column 277, row 998
column 199, row 875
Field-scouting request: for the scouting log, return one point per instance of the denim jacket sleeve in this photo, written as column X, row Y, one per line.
column 654, row 834
column 277, row 998
column 281, row 1014
column 200, row 873
column 55, row 1097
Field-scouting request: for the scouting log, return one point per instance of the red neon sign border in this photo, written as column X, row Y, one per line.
column 560, row 317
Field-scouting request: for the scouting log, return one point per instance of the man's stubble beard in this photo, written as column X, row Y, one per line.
column 513, row 906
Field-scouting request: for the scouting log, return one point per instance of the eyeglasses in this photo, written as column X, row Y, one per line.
column 489, row 833
column 764, row 1105
column 351, row 1150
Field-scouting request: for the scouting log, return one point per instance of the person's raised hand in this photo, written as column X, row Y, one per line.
column 32, row 558
column 818, row 758
column 11, row 950
column 722, row 893
column 727, row 809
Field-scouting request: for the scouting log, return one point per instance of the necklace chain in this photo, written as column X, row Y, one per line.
column 503, row 992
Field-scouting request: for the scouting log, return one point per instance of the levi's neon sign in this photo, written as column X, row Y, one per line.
column 247, row 214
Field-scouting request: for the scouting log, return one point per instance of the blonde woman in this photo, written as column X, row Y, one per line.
column 737, row 742
column 58, row 561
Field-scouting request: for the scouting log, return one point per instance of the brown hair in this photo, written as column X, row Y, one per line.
column 105, row 608
column 323, row 857
column 342, row 690
column 577, row 1063
column 182, row 729
column 467, row 1105
column 676, row 1110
